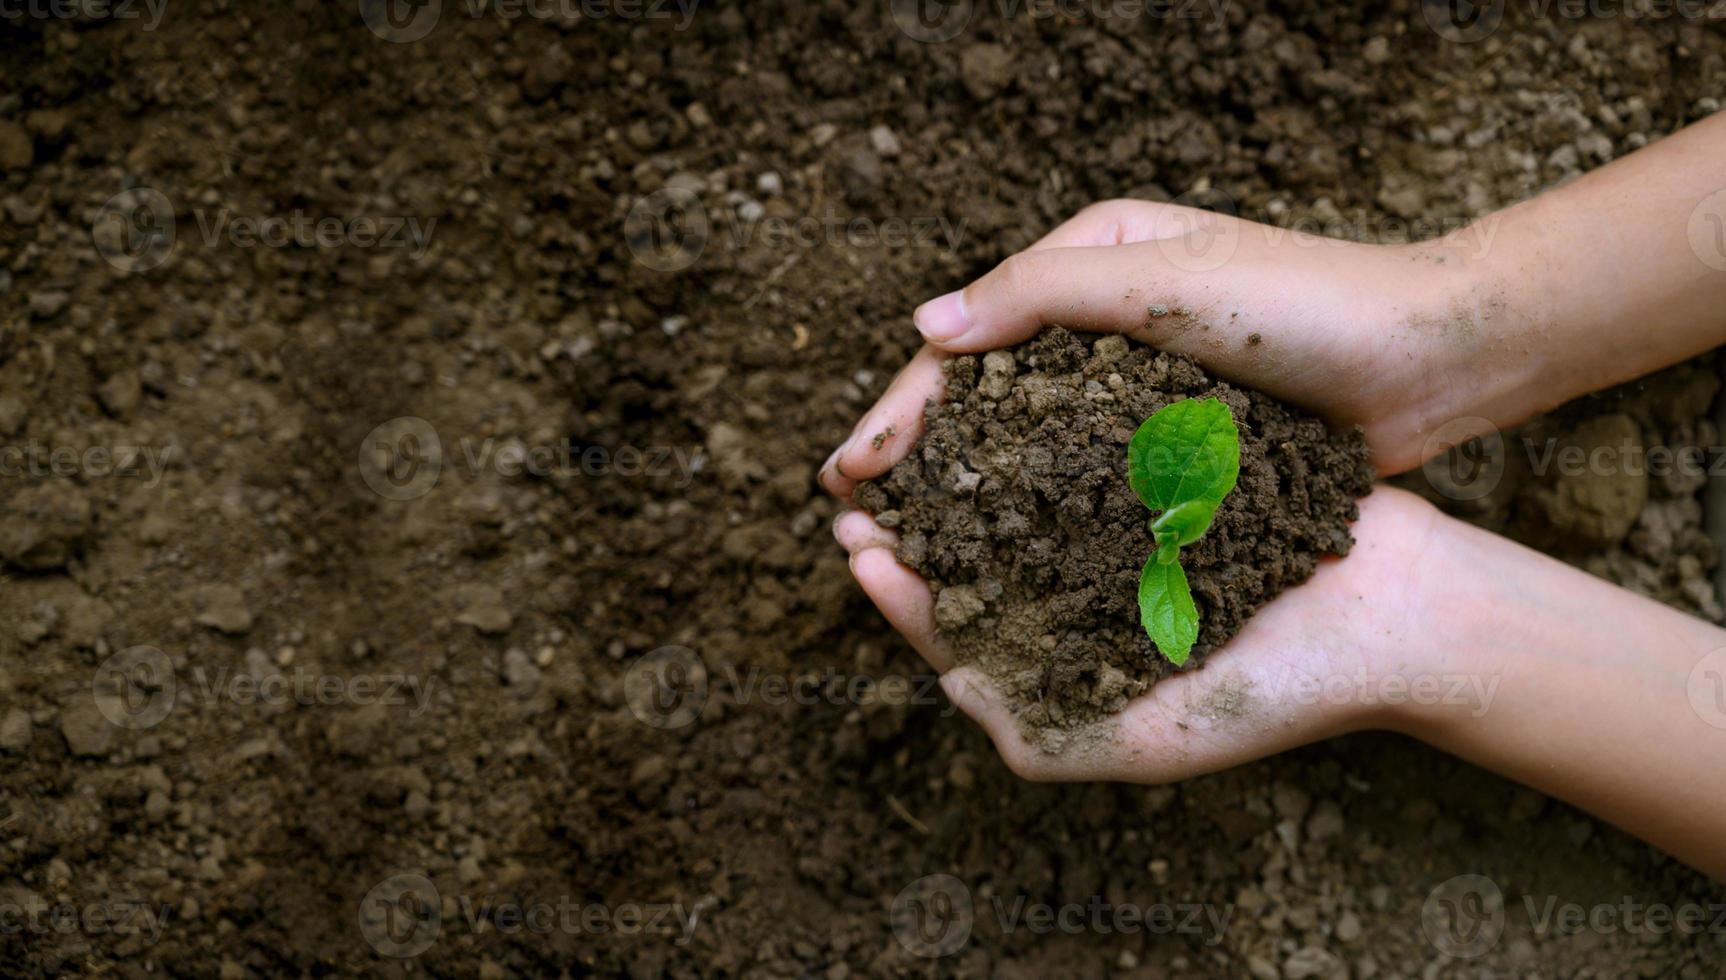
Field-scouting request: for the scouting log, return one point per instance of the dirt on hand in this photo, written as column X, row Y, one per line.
column 1015, row 506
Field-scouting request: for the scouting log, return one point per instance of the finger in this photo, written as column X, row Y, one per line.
column 857, row 531
column 982, row 702
column 1105, row 223
column 904, row 599
column 1080, row 755
column 1100, row 289
column 1119, row 222
column 889, row 429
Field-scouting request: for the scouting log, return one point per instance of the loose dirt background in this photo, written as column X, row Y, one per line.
column 520, row 602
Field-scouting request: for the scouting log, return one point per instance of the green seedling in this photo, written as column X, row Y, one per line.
column 1182, row 462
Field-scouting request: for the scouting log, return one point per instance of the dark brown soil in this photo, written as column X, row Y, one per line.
column 1015, row 506
column 521, row 602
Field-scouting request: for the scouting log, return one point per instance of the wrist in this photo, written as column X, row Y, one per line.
column 1448, row 666
column 1424, row 656
column 1471, row 324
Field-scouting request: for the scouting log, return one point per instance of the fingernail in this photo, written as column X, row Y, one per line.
column 833, row 460
column 943, row 318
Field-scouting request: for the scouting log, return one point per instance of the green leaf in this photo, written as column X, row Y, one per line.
column 1166, row 609
column 1184, row 523
column 1182, row 461
column 1188, row 451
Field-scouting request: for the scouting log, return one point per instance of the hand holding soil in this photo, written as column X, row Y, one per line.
column 1392, row 341
column 1047, row 726
column 1362, row 335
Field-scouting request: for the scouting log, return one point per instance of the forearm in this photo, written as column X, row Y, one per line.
column 1614, row 275
column 1602, row 697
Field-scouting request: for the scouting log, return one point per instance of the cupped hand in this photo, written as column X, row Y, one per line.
column 1387, row 337
column 1344, row 651
column 1359, row 334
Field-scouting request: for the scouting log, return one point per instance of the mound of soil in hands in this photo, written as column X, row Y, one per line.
column 1015, row 506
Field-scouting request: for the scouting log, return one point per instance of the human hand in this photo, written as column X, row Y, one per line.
column 1431, row 627
column 1307, row 332
column 1379, row 336
column 1580, row 676
column 1326, row 657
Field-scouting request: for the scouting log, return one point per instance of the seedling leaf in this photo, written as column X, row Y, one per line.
column 1182, row 461
column 1186, row 522
column 1189, row 450
column 1166, row 609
